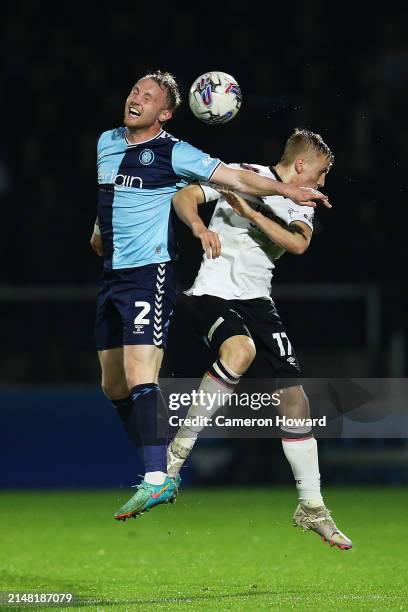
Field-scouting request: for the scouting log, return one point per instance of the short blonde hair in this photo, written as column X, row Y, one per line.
column 166, row 81
column 302, row 141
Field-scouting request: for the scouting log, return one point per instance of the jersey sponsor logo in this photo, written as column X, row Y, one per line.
column 146, row 157
column 121, row 180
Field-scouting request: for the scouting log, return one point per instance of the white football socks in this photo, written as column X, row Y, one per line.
column 217, row 384
column 155, row 478
column 304, row 461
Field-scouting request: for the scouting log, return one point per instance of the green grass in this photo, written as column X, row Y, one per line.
column 229, row 549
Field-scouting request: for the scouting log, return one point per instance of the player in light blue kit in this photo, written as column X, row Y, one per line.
column 140, row 168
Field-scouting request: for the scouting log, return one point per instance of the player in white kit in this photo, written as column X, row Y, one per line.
column 235, row 315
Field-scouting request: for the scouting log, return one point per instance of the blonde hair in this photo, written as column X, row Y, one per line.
column 302, row 141
column 165, row 80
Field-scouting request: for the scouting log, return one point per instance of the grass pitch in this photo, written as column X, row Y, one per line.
column 229, row 549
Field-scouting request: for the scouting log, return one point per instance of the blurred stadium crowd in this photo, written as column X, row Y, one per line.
column 65, row 78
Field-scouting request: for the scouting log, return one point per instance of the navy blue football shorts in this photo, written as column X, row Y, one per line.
column 135, row 306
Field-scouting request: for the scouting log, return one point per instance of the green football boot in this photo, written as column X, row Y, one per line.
column 147, row 496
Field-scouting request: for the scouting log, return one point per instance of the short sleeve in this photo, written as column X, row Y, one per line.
column 191, row 163
column 210, row 194
column 103, row 142
column 99, row 145
column 302, row 213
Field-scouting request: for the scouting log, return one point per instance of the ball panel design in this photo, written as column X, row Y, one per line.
column 215, row 97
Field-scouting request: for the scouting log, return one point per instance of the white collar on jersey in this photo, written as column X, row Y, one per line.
column 136, row 144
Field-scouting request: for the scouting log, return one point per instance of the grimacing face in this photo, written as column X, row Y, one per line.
column 145, row 105
column 314, row 169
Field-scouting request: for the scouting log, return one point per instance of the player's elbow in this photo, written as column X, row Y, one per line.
column 298, row 247
column 189, row 196
column 237, row 180
column 244, row 181
column 178, row 199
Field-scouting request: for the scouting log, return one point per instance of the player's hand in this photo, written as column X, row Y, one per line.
column 96, row 244
column 240, row 206
column 209, row 241
column 306, row 196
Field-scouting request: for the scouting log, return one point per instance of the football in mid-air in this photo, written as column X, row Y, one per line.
column 215, row 97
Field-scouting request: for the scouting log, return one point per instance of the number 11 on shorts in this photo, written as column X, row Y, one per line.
column 278, row 336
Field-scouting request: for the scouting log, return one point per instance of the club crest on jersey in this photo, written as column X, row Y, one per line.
column 146, row 157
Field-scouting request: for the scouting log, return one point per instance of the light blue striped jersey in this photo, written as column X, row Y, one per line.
column 136, row 185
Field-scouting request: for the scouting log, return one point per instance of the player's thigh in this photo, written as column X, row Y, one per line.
column 113, row 373
column 142, row 364
column 275, row 358
column 145, row 298
column 108, row 319
column 219, row 324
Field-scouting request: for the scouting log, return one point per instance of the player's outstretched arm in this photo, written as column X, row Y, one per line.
column 185, row 204
column 254, row 184
column 96, row 240
column 294, row 238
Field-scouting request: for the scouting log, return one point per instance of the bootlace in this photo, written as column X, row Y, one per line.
column 319, row 519
column 141, row 485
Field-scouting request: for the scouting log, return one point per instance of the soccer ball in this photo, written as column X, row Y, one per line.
column 215, row 97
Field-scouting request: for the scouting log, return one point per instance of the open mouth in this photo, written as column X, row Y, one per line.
column 134, row 112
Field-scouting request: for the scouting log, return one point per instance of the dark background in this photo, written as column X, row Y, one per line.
column 339, row 70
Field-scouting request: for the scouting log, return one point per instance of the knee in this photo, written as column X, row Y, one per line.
column 140, row 376
column 115, row 390
column 238, row 353
column 142, row 365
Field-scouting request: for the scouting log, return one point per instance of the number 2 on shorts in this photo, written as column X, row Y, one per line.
column 140, row 320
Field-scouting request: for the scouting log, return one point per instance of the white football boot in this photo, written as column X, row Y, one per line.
column 319, row 520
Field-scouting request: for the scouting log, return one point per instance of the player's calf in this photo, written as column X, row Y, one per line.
column 300, row 446
column 311, row 513
column 218, row 384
